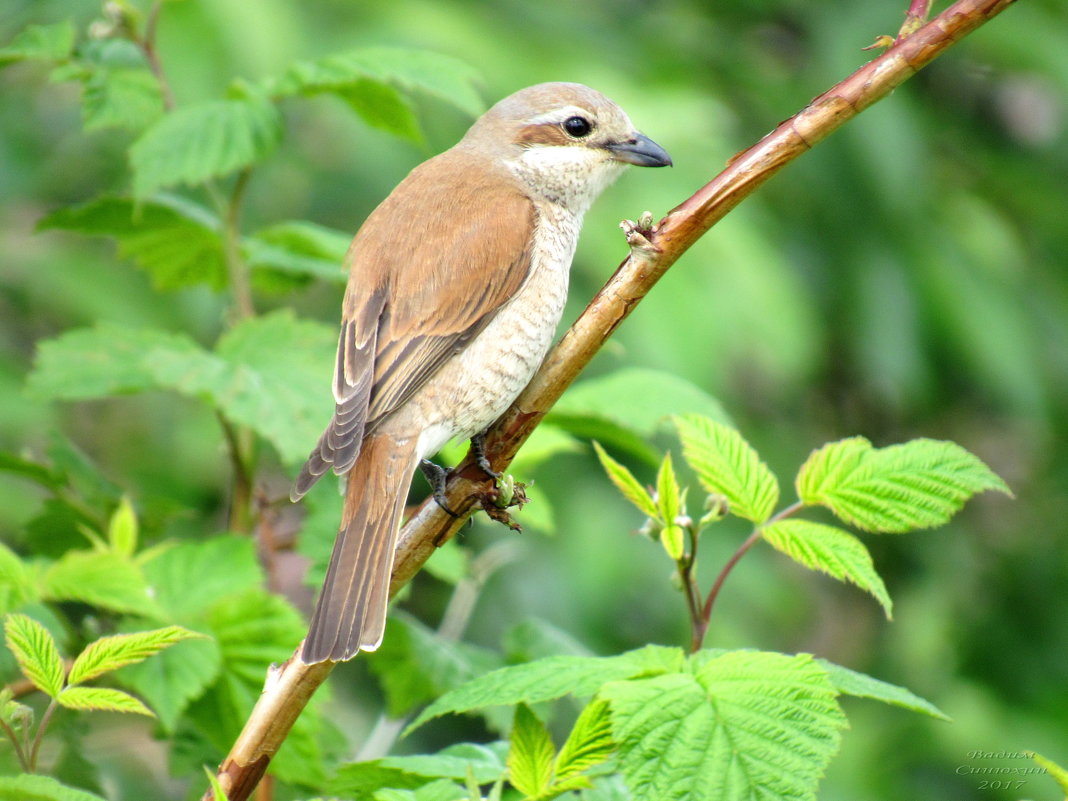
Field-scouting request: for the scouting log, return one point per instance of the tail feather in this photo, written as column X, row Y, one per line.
column 351, row 613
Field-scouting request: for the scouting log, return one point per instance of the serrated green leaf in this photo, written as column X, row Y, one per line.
column 590, row 742
column 829, row 550
column 1055, row 771
column 626, row 483
column 743, row 725
column 31, row 787
column 174, row 678
column 111, row 653
column 726, row 464
column 920, row 484
column 254, row 629
column 530, row 758
column 104, row 699
column 177, row 242
column 219, row 568
column 103, row 361
column 40, row 42
column 447, row 78
column 121, row 97
column 861, row 685
column 36, row 652
column 549, row 678
column 263, row 373
column 122, row 529
column 197, row 142
column 103, row 579
column 626, row 407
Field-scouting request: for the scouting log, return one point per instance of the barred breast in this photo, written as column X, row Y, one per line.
column 474, row 389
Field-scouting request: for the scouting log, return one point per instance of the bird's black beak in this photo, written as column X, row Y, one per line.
column 640, row 150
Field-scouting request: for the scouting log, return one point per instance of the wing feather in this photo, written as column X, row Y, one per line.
column 429, row 269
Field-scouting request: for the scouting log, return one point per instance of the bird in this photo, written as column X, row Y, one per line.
column 457, row 282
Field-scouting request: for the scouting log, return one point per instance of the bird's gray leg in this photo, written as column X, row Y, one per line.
column 478, row 445
column 436, row 477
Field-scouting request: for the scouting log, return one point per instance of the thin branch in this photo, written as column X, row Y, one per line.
column 236, row 266
column 35, row 749
column 147, row 43
column 237, row 445
column 289, row 687
column 20, row 754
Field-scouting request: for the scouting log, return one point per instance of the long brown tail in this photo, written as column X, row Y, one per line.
column 351, row 613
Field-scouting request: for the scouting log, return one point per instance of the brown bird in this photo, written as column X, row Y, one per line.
column 457, row 283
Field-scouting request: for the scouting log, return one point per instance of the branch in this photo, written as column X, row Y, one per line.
column 290, row 686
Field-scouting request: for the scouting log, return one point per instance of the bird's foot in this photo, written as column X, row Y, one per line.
column 478, row 447
column 437, row 476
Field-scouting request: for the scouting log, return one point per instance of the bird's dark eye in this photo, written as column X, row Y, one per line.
column 577, row 127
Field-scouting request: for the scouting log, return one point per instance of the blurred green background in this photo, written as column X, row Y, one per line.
column 906, row 278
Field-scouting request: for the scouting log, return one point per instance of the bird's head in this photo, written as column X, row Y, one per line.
column 564, row 141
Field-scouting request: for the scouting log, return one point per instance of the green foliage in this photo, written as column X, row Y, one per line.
column 874, row 327
column 1056, row 772
column 829, row 550
column 740, row 724
column 40, row 788
column 727, row 465
column 36, row 652
column 207, row 140
column 920, row 484
column 40, row 42
column 175, row 241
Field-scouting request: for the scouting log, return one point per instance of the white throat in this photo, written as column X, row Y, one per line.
column 571, row 177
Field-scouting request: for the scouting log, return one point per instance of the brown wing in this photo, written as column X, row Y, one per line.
column 429, row 269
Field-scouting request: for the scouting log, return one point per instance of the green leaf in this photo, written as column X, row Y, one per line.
column 299, row 248
column 383, row 107
column 920, row 484
column 103, row 361
column 742, row 725
column 198, row 142
column 829, row 550
column 122, row 529
column 530, row 759
column 861, row 685
column 361, row 779
column 98, row 578
column 17, row 582
column 726, row 464
column 1055, row 771
column 443, row 76
column 40, row 42
column 220, row 568
column 549, row 678
column 176, row 241
column 626, row 483
column 669, row 504
column 254, row 629
column 121, row 97
column 217, row 791
column 111, row 653
column 31, row 787
column 264, row 372
column 589, row 744
column 626, row 407
column 415, row 664
column 174, row 678
column 102, row 698
column 36, row 652
column 276, row 364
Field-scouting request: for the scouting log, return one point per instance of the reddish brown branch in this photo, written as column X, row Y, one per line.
column 290, row 686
